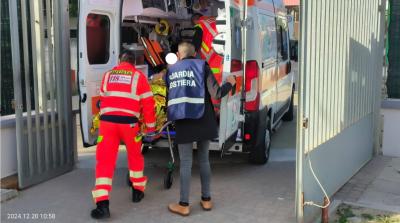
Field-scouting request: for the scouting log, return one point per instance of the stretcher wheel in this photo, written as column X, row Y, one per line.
column 168, row 180
column 128, row 180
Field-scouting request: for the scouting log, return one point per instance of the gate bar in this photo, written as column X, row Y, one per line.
column 27, row 83
column 50, row 41
column 13, row 11
column 35, row 54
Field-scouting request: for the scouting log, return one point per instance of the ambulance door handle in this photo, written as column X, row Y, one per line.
column 84, row 98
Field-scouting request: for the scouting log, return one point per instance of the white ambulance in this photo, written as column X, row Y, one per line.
column 255, row 49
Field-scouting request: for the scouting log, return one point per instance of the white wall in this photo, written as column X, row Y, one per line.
column 8, row 147
column 391, row 129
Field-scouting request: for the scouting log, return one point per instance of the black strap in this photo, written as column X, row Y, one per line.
column 119, row 119
column 219, row 42
column 220, row 22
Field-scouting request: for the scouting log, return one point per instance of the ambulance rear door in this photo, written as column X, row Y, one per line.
column 98, row 50
column 230, row 112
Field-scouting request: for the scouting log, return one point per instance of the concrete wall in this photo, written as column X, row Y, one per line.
column 340, row 90
column 391, row 127
column 8, row 146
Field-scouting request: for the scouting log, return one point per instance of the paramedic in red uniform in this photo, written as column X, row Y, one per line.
column 205, row 32
column 124, row 95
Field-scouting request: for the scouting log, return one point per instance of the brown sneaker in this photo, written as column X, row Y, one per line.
column 206, row 205
column 179, row 209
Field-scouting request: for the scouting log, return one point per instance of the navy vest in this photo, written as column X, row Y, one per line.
column 186, row 90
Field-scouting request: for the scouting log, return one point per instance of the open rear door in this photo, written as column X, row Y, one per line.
column 99, row 36
column 230, row 116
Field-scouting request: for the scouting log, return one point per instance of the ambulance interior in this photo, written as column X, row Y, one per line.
column 150, row 29
column 164, row 24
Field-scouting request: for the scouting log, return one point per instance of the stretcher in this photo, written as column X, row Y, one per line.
column 164, row 131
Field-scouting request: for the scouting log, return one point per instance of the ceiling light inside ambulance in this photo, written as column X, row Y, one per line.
column 171, row 58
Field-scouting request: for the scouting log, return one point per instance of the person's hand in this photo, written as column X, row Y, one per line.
column 231, row 79
column 159, row 75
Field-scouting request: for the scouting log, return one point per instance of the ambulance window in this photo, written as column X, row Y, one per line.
column 160, row 4
column 268, row 37
column 98, row 38
column 282, row 42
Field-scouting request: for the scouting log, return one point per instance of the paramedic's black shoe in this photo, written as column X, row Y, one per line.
column 101, row 211
column 137, row 195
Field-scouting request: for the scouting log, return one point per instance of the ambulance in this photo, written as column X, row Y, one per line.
column 253, row 40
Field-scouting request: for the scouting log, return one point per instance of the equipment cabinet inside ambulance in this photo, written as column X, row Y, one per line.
column 264, row 92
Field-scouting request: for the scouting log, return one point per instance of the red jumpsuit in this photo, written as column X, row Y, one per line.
column 124, row 94
column 209, row 28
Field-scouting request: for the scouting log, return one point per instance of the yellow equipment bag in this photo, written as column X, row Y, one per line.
column 159, row 89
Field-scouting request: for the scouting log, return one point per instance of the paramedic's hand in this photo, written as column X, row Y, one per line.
column 231, row 79
column 159, row 75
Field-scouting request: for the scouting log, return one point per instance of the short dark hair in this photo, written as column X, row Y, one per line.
column 195, row 16
column 186, row 49
column 127, row 56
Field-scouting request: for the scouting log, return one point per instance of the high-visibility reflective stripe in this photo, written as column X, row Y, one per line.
column 186, row 100
column 215, row 70
column 210, row 54
column 99, row 193
column 103, row 181
column 110, row 109
column 105, row 81
column 204, row 54
column 209, row 28
column 151, row 125
column 120, row 94
column 134, row 83
column 123, row 72
column 138, row 138
column 136, row 174
column 142, row 184
column 207, row 55
column 205, row 47
column 146, row 95
column 99, row 139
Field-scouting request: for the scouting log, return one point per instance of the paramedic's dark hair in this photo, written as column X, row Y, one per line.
column 195, row 16
column 127, row 56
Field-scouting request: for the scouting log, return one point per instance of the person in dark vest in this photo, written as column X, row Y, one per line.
column 191, row 85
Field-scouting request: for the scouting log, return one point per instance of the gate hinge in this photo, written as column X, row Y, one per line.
column 305, row 123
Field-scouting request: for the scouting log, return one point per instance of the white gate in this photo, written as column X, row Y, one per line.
column 341, row 62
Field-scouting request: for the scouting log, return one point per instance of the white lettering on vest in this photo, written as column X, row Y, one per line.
column 183, row 78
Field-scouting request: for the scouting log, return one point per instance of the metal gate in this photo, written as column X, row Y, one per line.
column 44, row 132
column 341, row 62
